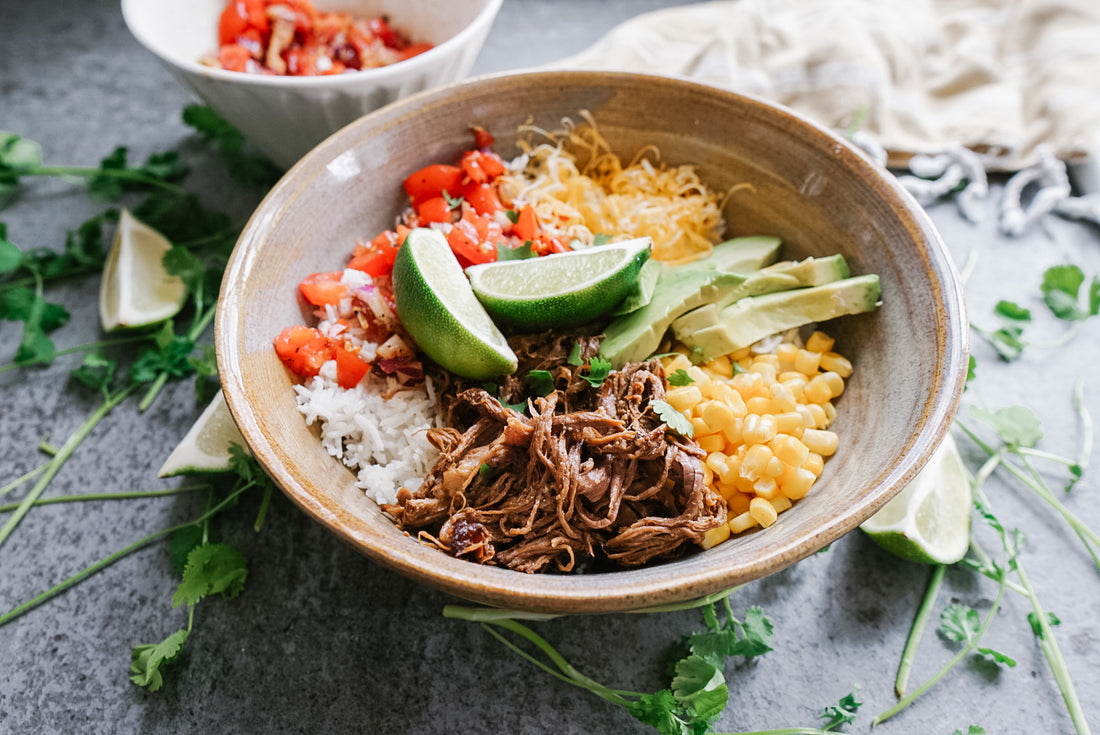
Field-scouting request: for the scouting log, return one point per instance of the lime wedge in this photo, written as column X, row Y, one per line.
column 438, row 308
column 205, row 448
column 136, row 290
column 560, row 290
column 928, row 521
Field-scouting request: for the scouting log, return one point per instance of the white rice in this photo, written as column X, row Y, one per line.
column 384, row 440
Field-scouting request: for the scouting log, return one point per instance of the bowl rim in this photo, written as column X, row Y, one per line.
column 379, row 74
column 620, row 590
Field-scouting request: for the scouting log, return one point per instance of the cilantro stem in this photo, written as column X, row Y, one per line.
column 74, row 350
column 691, row 604
column 986, row 568
column 59, row 459
column 492, row 614
column 107, row 496
column 965, row 651
column 1050, row 457
column 85, row 172
column 261, row 514
column 23, row 478
column 909, row 653
column 112, row 558
column 45, row 447
column 1054, row 658
column 785, row 731
column 1086, row 423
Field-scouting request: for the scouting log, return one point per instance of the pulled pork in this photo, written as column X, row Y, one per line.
column 591, row 474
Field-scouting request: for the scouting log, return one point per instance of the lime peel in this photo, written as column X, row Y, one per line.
column 563, row 289
column 929, row 520
column 205, row 448
column 136, row 290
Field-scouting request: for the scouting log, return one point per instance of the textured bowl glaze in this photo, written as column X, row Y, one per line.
column 807, row 186
column 287, row 116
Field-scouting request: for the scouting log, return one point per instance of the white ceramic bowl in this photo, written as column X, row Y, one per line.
column 287, row 116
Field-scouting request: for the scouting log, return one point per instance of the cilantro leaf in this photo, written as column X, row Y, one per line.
column 211, row 569
column 1012, row 310
column 10, row 255
column 213, row 127
column 170, row 355
column 843, row 713
column 20, row 304
column 146, row 660
column 700, row 686
column 512, row 215
column 971, row 370
column 680, row 378
column 600, row 239
column 95, row 371
column 522, row 252
column 452, row 202
column 598, row 370
column 997, row 656
column 675, row 420
column 541, row 381
column 658, row 711
column 180, row 545
column 1017, row 426
column 959, row 623
column 16, row 153
column 247, row 169
column 1061, row 284
column 575, row 358
column 972, row 730
column 1033, row 620
column 103, row 186
column 756, row 634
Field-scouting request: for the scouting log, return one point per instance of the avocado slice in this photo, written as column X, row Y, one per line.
column 776, row 277
column 741, row 254
column 751, row 319
column 635, row 336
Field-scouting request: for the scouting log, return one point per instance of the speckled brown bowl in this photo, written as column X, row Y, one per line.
column 808, row 187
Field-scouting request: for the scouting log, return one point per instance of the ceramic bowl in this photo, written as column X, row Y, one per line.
column 287, row 116
column 808, row 186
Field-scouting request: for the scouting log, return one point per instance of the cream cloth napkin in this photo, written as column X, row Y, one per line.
column 949, row 89
column 1000, row 77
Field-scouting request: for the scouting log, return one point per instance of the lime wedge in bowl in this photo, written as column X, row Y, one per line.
column 560, row 290
column 205, row 448
column 136, row 290
column 928, row 521
column 439, row 310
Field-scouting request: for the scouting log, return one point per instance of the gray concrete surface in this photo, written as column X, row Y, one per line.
column 322, row 640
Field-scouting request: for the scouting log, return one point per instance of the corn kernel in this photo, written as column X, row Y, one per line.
column 820, row 442
column 774, row 467
column 742, row 522
column 766, row 487
column 783, row 398
column 768, row 358
column 727, row 490
column 741, row 354
column 717, row 415
column 786, row 353
column 711, row 442
column 758, row 428
column 837, row 364
column 679, row 362
column 744, row 364
column 796, row 482
column 807, row 362
column 744, row 485
column 730, row 469
column 816, row 391
column 721, row 365
column 766, row 369
column 830, row 413
column 732, row 430
column 737, row 503
column 815, row 463
column 835, row 383
column 789, row 422
column 821, row 419
column 759, row 405
column 715, row 536
column 697, row 374
column 684, row 397
column 790, row 451
column 749, row 384
column 699, row 425
column 708, row 475
column 755, row 462
column 780, row 503
column 762, row 512
column 819, row 342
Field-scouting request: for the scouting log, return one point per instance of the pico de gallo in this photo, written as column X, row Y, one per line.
column 293, row 38
column 358, row 326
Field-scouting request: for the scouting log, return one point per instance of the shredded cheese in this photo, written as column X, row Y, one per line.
column 579, row 188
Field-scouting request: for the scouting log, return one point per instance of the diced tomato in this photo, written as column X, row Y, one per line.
column 482, row 197
column 487, row 228
column 544, row 244
column 431, row 181
column 239, row 16
column 465, row 243
column 320, row 289
column 482, row 139
column 414, row 49
column 482, row 166
column 376, row 258
column 435, row 209
column 350, row 367
column 303, row 350
column 527, row 225
column 234, row 57
column 301, row 63
column 382, row 30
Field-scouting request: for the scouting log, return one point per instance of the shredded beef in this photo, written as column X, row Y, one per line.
column 585, row 475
